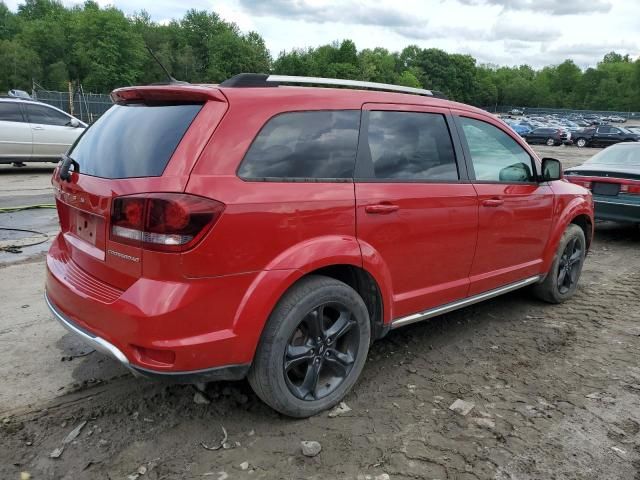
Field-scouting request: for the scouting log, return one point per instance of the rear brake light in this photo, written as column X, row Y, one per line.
column 169, row 222
column 579, row 181
column 630, row 189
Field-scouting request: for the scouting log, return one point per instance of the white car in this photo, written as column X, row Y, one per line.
column 35, row 132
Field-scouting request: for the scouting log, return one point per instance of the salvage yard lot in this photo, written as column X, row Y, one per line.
column 555, row 389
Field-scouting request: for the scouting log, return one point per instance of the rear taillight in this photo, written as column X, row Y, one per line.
column 631, row 189
column 168, row 222
column 579, row 181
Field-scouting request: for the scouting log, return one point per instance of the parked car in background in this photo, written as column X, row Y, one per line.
column 520, row 129
column 634, row 129
column 547, row 136
column 613, row 175
column 515, row 111
column 617, row 119
column 286, row 228
column 603, row 136
column 35, row 132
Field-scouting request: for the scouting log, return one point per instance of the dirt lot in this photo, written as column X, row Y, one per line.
column 556, row 389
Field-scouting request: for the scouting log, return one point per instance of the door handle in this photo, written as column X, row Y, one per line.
column 493, row 202
column 381, row 209
column 38, row 128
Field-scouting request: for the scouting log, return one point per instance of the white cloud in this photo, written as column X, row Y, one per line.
column 512, row 32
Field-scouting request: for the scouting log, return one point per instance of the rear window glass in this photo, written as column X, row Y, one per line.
column 10, row 112
column 133, row 140
column 304, row 145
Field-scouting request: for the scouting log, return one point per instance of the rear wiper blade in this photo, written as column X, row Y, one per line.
column 65, row 172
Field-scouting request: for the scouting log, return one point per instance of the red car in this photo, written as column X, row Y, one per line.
column 269, row 231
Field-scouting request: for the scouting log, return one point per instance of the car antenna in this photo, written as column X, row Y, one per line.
column 164, row 69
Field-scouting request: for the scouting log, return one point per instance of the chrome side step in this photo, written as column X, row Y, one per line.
column 449, row 307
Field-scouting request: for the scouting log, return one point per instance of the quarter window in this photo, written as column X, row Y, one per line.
column 496, row 157
column 304, row 145
column 46, row 116
column 410, row 146
column 10, row 112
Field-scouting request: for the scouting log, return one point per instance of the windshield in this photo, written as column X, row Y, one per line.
column 133, row 140
column 618, row 155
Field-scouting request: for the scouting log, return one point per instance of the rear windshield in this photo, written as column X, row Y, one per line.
column 133, row 140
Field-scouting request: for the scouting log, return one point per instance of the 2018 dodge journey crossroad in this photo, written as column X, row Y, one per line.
column 262, row 229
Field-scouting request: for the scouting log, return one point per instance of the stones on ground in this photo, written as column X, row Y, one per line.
column 244, row 466
column 462, row 407
column 485, row 423
column 200, row 399
column 142, row 470
column 619, row 451
column 382, row 476
column 310, row 448
column 71, row 436
column 340, row 409
column 25, row 476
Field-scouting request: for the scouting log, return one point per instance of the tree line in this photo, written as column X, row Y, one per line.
column 102, row 48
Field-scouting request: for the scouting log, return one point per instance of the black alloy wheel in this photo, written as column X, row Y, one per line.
column 321, row 351
column 569, row 266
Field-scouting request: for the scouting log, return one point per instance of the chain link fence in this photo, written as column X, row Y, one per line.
column 86, row 106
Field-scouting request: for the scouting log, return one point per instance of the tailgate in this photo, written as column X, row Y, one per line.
column 131, row 149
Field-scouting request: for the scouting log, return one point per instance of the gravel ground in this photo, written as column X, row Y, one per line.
column 555, row 393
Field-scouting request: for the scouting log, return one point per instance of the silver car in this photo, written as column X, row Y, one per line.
column 35, row 132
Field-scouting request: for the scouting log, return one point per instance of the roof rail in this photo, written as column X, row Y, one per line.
column 263, row 80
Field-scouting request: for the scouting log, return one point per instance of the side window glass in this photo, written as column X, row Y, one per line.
column 10, row 112
column 496, row 157
column 46, row 116
column 411, row 146
column 318, row 144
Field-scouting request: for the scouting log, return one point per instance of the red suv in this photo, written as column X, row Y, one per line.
column 254, row 229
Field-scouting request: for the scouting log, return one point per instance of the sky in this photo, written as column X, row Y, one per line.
column 502, row 32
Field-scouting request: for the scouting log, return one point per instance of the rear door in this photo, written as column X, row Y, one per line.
column 52, row 134
column 415, row 209
column 15, row 133
column 515, row 211
column 132, row 148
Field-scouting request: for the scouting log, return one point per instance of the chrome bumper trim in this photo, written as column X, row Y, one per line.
column 98, row 343
column 449, row 307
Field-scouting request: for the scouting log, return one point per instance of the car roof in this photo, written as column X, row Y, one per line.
column 293, row 96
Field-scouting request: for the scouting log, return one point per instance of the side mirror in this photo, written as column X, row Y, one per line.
column 551, row 170
column 74, row 123
column 518, row 172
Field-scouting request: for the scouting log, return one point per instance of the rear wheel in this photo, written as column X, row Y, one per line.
column 313, row 347
column 561, row 282
column 581, row 142
column 551, row 142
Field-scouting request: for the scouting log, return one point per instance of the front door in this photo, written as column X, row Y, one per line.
column 52, row 136
column 515, row 210
column 416, row 213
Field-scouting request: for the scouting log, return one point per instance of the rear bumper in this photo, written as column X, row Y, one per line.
column 229, row 372
column 617, row 209
column 183, row 330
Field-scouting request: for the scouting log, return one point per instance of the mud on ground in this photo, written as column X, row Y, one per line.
column 555, row 389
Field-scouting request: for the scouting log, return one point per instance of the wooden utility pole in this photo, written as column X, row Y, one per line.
column 70, row 97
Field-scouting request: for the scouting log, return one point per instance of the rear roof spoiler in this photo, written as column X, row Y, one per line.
column 167, row 93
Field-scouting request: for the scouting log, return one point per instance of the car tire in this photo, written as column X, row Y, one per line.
column 550, row 142
column 561, row 281
column 320, row 330
column 581, row 142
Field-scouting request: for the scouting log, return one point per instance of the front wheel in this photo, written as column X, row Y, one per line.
column 551, row 142
column 561, row 282
column 313, row 347
column 581, row 142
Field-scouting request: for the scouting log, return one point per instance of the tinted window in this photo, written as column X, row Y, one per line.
column 604, row 129
column 304, row 145
column 496, row 157
column 10, row 112
column 411, row 146
column 45, row 115
column 133, row 140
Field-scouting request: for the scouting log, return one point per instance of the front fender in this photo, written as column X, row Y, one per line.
column 564, row 215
